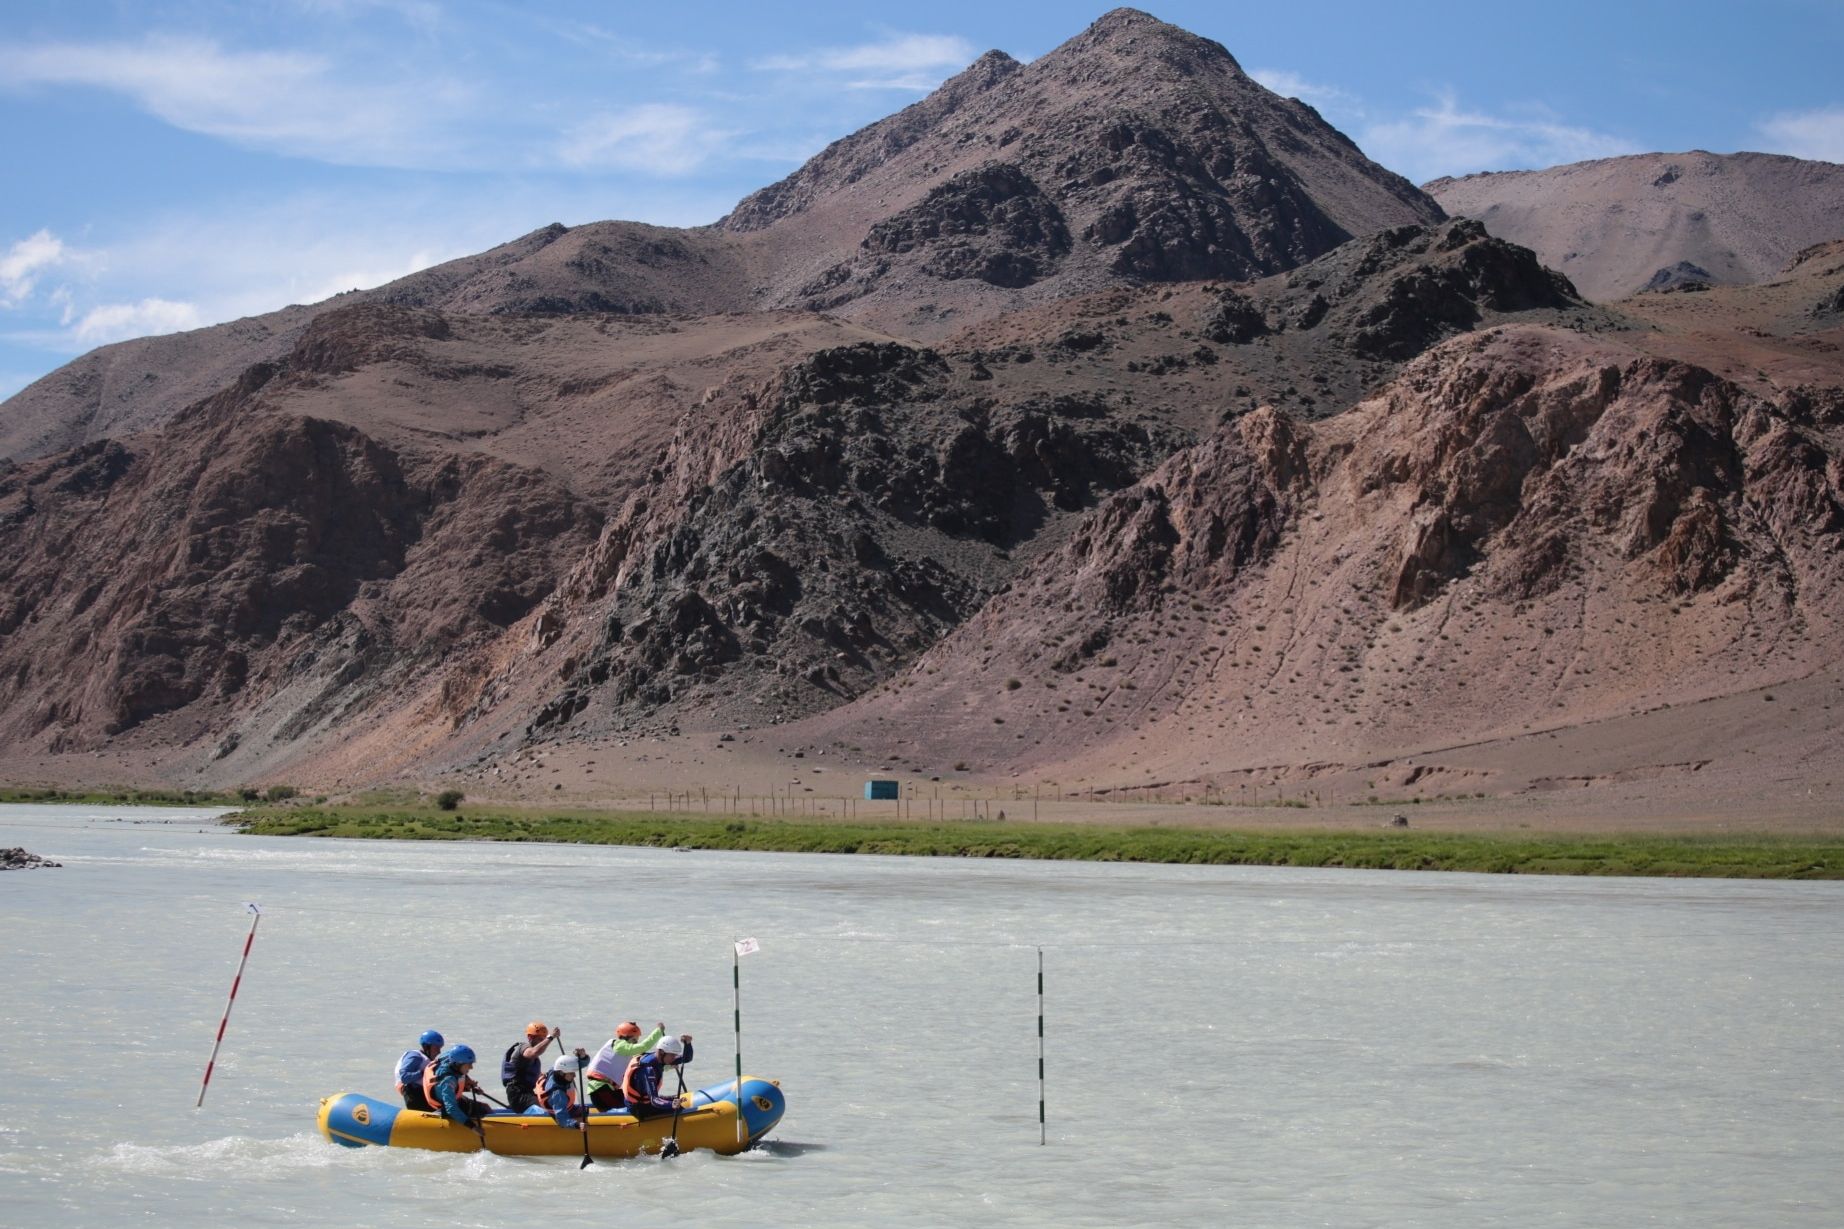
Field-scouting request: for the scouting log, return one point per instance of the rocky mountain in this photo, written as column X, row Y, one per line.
column 1526, row 528
column 1617, row 226
column 1103, row 419
column 1136, row 152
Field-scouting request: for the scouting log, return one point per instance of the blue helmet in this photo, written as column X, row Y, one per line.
column 460, row 1054
column 429, row 1038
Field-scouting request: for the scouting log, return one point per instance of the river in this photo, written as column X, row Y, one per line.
column 1225, row 1045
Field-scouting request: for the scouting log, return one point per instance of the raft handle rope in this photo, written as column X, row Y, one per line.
column 256, row 915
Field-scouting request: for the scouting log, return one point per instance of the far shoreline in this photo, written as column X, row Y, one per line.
column 1714, row 855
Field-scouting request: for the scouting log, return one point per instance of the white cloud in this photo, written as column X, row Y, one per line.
column 624, row 49
column 245, row 257
column 1327, row 98
column 24, row 261
column 658, row 138
column 116, row 321
column 1446, row 139
column 282, row 101
column 1817, row 134
column 900, row 62
column 421, row 14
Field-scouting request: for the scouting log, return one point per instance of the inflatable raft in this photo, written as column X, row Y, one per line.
column 708, row 1121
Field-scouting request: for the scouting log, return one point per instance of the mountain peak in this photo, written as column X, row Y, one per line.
column 1132, row 31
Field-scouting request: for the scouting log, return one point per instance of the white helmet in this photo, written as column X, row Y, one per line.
column 671, row 1045
column 569, row 1064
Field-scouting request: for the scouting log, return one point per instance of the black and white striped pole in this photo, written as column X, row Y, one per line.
column 741, row 948
column 1042, row 1137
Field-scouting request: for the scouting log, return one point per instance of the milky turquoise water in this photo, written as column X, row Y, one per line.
column 1225, row 1046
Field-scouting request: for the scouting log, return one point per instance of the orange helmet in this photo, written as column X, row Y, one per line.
column 536, row 1029
column 628, row 1031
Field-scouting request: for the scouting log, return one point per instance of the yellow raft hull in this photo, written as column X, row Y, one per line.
column 709, row 1120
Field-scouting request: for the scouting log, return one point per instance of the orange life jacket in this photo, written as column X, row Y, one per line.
column 569, row 1091
column 429, row 1086
column 628, row 1093
column 462, row 1084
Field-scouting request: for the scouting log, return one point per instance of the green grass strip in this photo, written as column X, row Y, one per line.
column 1713, row 856
column 126, row 796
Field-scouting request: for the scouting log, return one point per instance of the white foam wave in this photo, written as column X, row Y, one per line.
column 214, row 1159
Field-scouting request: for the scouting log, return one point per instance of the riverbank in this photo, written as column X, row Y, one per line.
column 1683, row 856
column 124, row 795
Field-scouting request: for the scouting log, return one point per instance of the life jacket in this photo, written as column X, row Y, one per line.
column 569, row 1089
column 427, row 1063
column 610, row 1067
column 462, row 1084
column 633, row 1096
column 516, row 1070
column 429, row 1086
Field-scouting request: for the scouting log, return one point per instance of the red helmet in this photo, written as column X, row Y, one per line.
column 628, row 1031
column 536, row 1029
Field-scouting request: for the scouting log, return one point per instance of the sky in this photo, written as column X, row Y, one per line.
column 176, row 163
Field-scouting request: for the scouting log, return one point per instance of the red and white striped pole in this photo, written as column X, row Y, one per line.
column 249, row 940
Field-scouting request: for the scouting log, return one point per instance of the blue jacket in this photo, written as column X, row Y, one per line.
column 645, row 1075
column 554, row 1097
column 448, row 1089
column 410, row 1068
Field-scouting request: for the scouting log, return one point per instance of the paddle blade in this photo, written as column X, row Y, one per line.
column 669, row 1149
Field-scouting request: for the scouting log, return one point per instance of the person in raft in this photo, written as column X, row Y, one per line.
column 523, row 1066
column 641, row 1086
column 609, row 1067
column 410, row 1070
column 446, row 1083
column 557, row 1092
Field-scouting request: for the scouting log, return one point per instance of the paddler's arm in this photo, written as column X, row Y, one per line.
column 634, row 1049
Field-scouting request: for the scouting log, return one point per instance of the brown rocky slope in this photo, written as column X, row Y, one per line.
column 1527, row 530
column 1617, row 226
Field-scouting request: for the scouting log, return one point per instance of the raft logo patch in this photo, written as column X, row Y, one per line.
column 361, row 1114
column 763, row 1103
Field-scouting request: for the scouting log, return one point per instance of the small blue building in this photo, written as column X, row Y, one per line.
column 881, row 791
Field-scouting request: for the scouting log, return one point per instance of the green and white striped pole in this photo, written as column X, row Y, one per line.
column 1042, row 1136
column 741, row 948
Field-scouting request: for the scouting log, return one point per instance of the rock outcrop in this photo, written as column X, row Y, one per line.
column 1526, row 526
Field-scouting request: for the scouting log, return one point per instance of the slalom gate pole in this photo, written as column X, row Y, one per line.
column 212, row 1062
column 739, row 949
column 736, row 1003
column 1042, row 1137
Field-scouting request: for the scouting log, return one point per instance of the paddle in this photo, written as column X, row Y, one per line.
column 582, row 1101
column 670, row 1148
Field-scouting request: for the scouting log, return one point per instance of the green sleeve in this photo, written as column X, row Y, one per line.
column 628, row 1049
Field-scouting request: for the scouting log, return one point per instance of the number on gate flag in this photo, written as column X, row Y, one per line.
column 745, row 946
